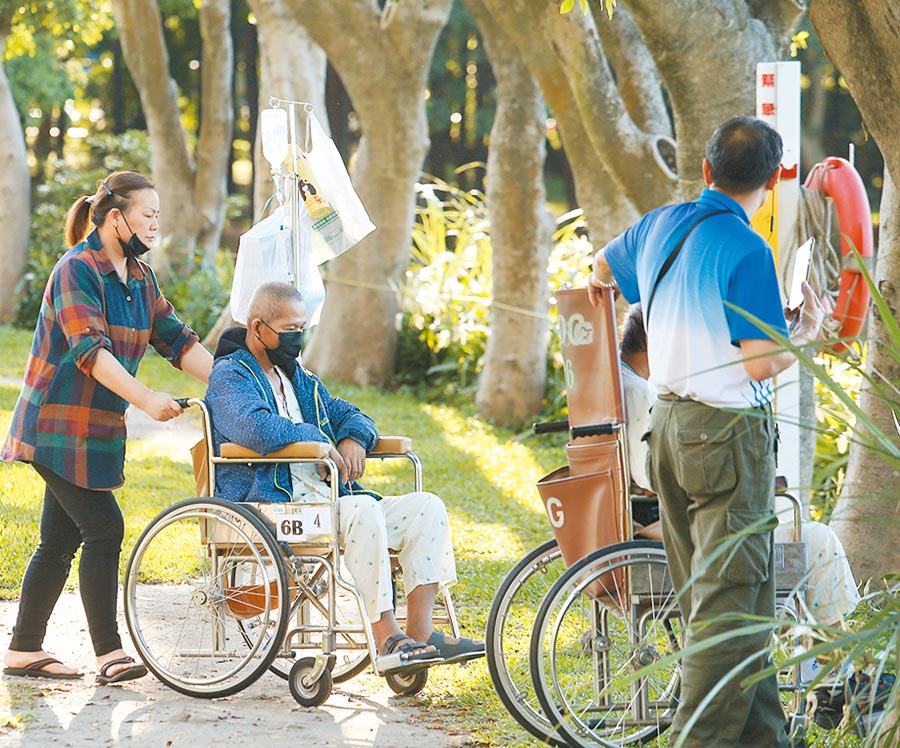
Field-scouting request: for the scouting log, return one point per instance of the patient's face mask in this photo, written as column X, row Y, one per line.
column 290, row 343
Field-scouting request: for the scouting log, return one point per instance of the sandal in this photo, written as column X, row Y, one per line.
column 38, row 669
column 463, row 650
column 129, row 673
column 397, row 657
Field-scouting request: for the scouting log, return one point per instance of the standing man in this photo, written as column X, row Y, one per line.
column 710, row 294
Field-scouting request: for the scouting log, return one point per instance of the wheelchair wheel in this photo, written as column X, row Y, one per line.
column 200, row 571
column 304, row 691
column 407, row 684
column 608, row 616
column 509, row 626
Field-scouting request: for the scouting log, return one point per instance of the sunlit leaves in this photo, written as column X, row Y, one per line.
column 608, row 5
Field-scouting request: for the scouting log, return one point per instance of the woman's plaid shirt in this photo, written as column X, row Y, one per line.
column 64, row 419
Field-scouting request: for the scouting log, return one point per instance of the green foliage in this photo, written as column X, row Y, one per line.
column 200, row 297
column 446, row 297
column 833, row 436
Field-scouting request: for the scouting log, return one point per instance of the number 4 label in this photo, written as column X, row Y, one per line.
column 311, row 520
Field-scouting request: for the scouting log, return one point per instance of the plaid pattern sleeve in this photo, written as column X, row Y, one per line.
column 64, row 419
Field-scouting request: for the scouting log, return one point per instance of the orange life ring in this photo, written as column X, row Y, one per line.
column 837, row 178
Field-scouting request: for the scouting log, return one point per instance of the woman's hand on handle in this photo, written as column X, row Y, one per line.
column 160, row 406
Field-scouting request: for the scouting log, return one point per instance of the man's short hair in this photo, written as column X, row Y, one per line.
column 269, row 299
column 634, row 337
column 742, row 153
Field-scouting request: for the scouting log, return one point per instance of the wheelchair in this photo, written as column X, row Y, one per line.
column 217, row 593
column 567, row 638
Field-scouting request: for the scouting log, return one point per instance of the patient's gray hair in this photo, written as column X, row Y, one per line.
column 269, row 300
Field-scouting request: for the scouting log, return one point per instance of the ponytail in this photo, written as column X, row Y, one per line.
column 78, row 220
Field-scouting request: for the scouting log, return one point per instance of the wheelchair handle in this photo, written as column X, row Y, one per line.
column 548, row 427
column 183, row 402
column 597, row 429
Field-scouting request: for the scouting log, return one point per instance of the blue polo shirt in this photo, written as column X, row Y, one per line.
column 692, row 334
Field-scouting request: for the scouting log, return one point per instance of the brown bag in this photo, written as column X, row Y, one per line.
column 583, row 514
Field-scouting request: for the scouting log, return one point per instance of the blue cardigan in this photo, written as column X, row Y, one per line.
column 242, row 408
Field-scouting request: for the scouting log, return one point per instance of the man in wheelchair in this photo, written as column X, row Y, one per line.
column 260, row 397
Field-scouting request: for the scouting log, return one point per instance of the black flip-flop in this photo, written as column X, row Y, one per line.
column 36, row 669
column 129, row 673
column 462, row 651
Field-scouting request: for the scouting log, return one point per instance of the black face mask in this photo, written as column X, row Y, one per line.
column 289, row 346
column 134, row 247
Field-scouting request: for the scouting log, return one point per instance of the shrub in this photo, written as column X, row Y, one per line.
column 447, row 293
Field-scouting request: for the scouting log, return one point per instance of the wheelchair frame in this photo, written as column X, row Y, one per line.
column 532, row 691
column 258, row 619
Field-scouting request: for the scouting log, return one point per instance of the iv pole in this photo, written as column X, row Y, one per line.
column 281, row 149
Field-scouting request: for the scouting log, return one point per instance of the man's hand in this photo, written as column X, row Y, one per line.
column 806, row 322
column 354, row 457
column 601, row 277
column 339, row 461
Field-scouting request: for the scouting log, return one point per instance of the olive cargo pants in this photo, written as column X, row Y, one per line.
column 714, row 471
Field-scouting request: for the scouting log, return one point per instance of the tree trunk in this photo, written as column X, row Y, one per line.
column 861, row 38
column 512, row 381
column 292, row 67
column 14, row 195
column 384, row 67
column 191, row 195
column 216, row 124
column 867, row 513
column 607, row 209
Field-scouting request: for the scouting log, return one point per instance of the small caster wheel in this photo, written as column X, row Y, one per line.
column 407, row 684
column 308, row 693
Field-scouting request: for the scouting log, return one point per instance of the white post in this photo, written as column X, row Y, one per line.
column 778, row 104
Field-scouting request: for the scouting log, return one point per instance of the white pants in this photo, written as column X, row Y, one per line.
column 831, row 591
column 415, row 525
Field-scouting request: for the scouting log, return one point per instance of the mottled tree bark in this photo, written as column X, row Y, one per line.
column 868, row 512
column 513, row 377
column 192, row 193
column 384, row 67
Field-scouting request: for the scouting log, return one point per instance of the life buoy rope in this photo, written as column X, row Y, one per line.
column 836, row 178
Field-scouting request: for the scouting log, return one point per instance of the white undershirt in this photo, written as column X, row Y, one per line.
column 307, row 485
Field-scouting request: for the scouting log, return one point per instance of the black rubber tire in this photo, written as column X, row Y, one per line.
column 309, row 695
column 407, row 684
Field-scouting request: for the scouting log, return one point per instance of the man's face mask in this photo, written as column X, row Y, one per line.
column 134, row 247
column 290, row 344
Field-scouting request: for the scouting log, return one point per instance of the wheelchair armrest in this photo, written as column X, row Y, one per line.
column 391, row 445
column 309, row 450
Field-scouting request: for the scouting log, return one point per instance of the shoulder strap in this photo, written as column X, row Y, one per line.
column 673, row 255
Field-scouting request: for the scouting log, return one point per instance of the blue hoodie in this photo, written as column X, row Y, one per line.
column 242, row 408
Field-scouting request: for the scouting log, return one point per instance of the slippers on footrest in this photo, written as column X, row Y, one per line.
column 37, row 669
column 129, row 673
column 397, row 657
column 463, row 650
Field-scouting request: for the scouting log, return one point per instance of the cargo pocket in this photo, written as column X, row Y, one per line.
column 747, row 559
column 706, row 461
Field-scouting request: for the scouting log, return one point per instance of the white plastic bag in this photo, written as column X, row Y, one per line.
column 264, row 254
column 334, row 213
